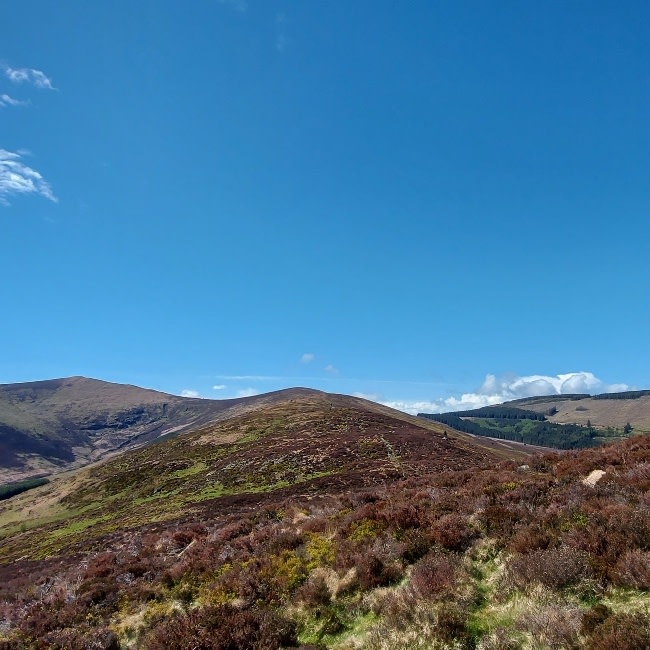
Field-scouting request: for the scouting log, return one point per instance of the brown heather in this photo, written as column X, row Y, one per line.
column 485, row 556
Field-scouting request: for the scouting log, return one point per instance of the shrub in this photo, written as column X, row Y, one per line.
column 98, row 591
column 415, row 544
column 101, row 566
column 80, row 639
column 622, row 632
column 223, row 628
column 235, row 529
column 593, row 617
column 500, row 638
column 286, row 540
column 288, row 571
column 364, row 529
column 41, row 619
column 452, row 532
column 434, row 576
column 319, row 550
column 315, row 592
column 613, row 529
column 633, row 570
column 373, row 572
column 499, row 521
column 555, row 625
column 555, row 568
column 402, row 516
column 530, row 538
column 451, row 625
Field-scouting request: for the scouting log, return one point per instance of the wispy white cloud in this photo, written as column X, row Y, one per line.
column 29, row 75
column 188, row 392
column 17, row 178
column 497, row 390
column 308, row 357
column 247, row 392
column 243, row 392
column 331, row 369
column 8, row 100
column 238, row 5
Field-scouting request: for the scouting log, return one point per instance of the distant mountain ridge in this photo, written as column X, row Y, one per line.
column 567, row 421
column 604, row 410
column 58, row 424
column 292, row 444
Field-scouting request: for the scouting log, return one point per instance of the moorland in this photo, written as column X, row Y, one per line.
column 311, row 520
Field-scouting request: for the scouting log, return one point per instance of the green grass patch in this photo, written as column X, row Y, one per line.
column 190, row 471
column 337, row 625
column 78, row 526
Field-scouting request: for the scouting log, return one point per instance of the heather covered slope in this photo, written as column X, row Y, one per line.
column 454, row 560
column 320, row 523
column 50, row 426
column 307, row 445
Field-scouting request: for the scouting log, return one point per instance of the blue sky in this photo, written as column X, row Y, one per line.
column 411, row 201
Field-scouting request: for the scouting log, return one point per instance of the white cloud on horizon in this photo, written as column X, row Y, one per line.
column 247, row 392
column 30, row 75
column 497, row 390
column 17, row 178
column 308, row 357
column 243, row 392
column 372, row 397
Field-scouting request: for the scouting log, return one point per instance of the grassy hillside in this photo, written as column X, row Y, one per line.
column 308, row 445
column 328, row 523
column 50, row 426
column 608, row 410
column 559, row 421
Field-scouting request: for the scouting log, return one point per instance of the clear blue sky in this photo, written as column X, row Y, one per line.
column 394, row 199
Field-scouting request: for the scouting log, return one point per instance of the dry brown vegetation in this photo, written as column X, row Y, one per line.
column 349, row 530
column 51, row 426
column 599, row 412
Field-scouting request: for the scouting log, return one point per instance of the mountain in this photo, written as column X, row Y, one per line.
column 55, row 425
column 558, row 421
column 607, row 410
column 325, row 521
column 312, row 444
